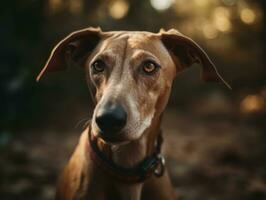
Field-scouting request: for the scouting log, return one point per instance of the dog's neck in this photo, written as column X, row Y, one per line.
column 131, row 154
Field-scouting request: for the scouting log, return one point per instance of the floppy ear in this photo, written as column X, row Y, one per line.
column 75, row 47
column 189, row 52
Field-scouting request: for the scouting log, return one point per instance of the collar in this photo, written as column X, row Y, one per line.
column 153, row 164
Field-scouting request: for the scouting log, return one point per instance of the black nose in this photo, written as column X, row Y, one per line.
column 111, row 119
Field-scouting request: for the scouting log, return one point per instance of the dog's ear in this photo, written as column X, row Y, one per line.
column 75, row 47
column 189, row 52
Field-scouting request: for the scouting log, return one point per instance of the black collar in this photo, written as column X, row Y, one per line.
column 152, row 164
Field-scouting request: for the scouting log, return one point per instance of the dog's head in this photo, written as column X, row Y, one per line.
column 130, row 75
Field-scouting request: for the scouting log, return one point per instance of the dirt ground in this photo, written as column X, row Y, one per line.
column 210, row 157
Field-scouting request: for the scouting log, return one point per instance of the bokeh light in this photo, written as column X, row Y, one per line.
column 248, row 16
column 209, row 31
column 161, row 5
column 118, row 9
column 252, row 103
column 232, row 32
column 222, row 24
column 55, row 5
column 201, row 3
column 229, row 2
column 75, row 6
column 221, row 12
column 222, row 19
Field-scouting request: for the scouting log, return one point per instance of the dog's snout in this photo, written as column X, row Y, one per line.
column 111, row 119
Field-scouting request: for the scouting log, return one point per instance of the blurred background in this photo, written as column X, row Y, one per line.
column 216, row 136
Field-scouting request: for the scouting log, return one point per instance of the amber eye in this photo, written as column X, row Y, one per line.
column 150, row 67
column 98, row 66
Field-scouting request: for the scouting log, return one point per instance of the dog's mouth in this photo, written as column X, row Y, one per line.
column 114, row 138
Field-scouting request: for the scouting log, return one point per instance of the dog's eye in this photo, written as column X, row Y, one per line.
column 98, row 66
column 149, row 67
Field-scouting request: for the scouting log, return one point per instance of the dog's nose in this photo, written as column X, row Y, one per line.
column 111, row 119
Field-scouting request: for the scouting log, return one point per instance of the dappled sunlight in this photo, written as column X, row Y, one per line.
column 214, row 137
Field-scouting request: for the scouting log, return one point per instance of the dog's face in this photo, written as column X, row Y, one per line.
column 131, row 74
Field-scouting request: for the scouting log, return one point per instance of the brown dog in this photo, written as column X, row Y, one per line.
column 130, row 74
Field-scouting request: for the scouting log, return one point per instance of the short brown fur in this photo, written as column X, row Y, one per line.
column 143, row 97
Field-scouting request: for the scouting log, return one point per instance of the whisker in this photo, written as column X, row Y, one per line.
column 83, row 122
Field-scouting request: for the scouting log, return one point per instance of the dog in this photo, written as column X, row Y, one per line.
column 129, row 75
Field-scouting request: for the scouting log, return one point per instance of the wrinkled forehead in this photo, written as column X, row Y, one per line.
column 134, row 43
